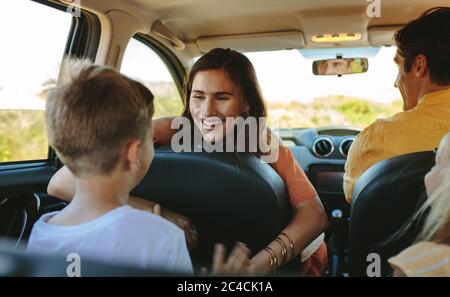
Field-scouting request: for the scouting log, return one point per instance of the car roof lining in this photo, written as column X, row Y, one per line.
column 202, row 25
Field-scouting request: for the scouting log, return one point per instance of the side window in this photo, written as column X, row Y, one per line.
column 140, row 62
column 33, row 42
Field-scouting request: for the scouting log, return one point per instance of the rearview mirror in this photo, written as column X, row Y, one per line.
column 340, row 66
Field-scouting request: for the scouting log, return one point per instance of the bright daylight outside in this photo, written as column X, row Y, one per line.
column 295, row 97
column 30, row 55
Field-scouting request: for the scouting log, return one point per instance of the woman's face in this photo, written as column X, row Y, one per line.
column 214, row 97
column 436, row 175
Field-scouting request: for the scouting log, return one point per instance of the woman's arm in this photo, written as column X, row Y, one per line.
column 62, row 185
column 308, row 222
column 162, row 132
column 309, row 218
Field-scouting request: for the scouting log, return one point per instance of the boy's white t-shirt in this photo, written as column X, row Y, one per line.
column 124, row 236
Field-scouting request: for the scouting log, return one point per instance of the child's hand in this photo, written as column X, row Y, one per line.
column 238, row 263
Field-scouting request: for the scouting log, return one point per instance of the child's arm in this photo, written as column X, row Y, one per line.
column 62, row 185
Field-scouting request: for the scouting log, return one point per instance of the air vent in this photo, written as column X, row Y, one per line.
column 344, row 147
column 323, row 147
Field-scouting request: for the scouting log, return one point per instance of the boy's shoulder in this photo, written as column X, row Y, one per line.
column 124, row 219
column 134, row 215
column 146, row 222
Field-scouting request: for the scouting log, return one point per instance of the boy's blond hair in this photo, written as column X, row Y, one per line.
column 91, row 112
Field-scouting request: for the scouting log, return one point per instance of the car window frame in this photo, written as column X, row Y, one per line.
column 173, row 64
column 82, row 42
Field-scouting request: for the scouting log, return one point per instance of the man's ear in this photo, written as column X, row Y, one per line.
column 421, row 66
column 133, row 153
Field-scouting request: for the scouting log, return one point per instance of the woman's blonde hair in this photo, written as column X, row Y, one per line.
column 436, row 226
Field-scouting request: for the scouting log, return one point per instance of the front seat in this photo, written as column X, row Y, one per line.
column 384, row 197
column 228, row 197
column 18, row 262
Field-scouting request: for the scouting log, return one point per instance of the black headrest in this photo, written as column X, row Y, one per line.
column 229, row 197
column 385, row 196
column 17, row 262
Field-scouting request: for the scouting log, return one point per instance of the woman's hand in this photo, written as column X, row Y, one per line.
column 185, row 224
column 181, row 221
column 261, row 263
column 237, row 264
column 308, row 222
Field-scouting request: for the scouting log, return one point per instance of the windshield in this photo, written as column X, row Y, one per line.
column 296, row 98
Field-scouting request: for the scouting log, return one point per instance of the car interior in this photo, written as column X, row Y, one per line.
column 177, row 32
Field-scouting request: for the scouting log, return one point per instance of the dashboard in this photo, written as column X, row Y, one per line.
column 322, row 153
column 326, row 145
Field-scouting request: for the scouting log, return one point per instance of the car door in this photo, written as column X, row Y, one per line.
column 36, row 35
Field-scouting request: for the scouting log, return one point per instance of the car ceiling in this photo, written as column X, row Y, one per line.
column 194, row 21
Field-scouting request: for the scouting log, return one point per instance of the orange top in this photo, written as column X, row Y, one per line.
column 299, row 187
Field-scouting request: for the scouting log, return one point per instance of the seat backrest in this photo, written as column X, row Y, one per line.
column 228, row 197
column 18, row 212
column 384, row 197
column 18, row 262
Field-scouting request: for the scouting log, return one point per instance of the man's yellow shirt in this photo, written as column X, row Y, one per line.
column 416, row 130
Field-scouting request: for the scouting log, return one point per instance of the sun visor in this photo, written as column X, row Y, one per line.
column 254, row 42
column 382, row 35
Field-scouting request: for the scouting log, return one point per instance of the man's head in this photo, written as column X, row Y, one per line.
column 99, row 121
column 423, row 55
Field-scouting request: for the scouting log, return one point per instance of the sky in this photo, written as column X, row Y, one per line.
column 287, row 76
column 283, row 75
column 28, row 57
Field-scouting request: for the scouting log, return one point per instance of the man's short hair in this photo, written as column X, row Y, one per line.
column 428, row 35
column 91, row 112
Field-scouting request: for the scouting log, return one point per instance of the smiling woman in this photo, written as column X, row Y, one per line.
column 22, row 129
column 222, row 84
column 209, row 109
